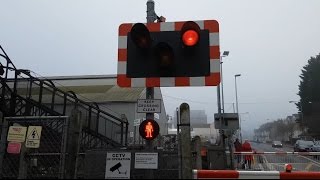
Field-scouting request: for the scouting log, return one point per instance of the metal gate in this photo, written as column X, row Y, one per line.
column 47, row 161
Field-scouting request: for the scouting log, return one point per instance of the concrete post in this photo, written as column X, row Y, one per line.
column 185, row 141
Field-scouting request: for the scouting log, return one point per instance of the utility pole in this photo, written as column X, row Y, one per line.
column 151, row 17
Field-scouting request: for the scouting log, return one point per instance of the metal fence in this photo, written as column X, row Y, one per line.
column 275, row 161
column 47, row 161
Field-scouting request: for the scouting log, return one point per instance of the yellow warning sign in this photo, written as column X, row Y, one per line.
column 33, row 136
column 16, row 134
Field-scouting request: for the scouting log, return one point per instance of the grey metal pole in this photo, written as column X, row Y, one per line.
column 221, row 75
column 151, row 17
column 179, row 143
column 233, row 107
column 301, row 113
column 219, row 113
column 237, row 105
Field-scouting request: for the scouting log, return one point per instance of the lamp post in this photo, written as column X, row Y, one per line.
column 225, row 53
column 237, row 105
column 302, row 121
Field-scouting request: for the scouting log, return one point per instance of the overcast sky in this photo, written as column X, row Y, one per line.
column 269, row 42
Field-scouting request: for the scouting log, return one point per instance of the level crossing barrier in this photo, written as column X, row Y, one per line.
column 235, row 174
column 275, row 161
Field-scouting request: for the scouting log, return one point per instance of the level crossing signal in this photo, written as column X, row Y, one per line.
column 149, row 129
column 180, row 53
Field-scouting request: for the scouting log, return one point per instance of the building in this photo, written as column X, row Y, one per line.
column 197, row 117
column 199, row 126
column 102, row 90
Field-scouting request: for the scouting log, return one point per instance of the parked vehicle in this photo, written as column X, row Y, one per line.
column 303, row 146
column 316, row 146
column 276, row 144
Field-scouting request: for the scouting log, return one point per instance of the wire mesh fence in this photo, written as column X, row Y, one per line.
column 45, row 161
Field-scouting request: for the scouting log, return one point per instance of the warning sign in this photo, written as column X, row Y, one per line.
column 33, row 136
column 14, row 148
column 16, row 134
column 118, row 165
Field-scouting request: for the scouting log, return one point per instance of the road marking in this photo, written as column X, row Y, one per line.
column 314, row 162
column 261, row 167
column 269, row 165
column 309, row 166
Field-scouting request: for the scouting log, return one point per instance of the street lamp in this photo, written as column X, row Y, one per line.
column 237, row 105
column 300, row 108
column 225, row 53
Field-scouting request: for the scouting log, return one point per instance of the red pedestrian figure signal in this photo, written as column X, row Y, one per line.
column 149, row 129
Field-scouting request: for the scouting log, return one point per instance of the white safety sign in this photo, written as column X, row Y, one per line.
column 16, row 134
column 118, row 165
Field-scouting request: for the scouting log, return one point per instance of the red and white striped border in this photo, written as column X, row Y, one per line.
column 234, row 174
column 277, row 153
column 212, row 80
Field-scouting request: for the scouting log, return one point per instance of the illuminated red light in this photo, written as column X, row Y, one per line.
column 149, row 130
column 190, row 38
column 288, row 167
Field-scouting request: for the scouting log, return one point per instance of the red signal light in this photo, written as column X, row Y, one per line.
column 190, row 38
column 190, row 33
column 288, row 167
column 149, row 129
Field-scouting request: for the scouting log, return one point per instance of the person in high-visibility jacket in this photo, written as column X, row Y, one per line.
column 246, row 147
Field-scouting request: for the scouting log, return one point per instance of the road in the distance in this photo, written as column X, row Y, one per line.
column 269, row 162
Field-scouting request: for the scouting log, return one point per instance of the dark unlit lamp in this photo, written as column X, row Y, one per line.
column 225, row 53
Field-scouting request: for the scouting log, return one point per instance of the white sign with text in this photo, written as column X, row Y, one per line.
column 149, row 106
column 146, row 161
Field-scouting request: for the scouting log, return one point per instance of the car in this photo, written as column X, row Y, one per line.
column 276, row 144
column 316, row 146
column 303, row 146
